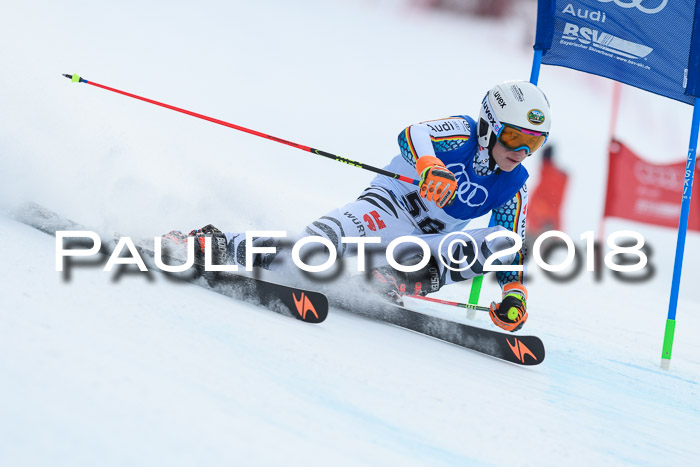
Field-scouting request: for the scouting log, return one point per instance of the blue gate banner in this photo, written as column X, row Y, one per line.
column 643, row 43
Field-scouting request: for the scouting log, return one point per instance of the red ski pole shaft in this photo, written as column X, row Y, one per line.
column 77, row 79
column 468, row 306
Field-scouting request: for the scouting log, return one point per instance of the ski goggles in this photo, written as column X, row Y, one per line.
column 515, row 138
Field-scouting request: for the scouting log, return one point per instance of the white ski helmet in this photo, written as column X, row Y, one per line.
column 518, row 104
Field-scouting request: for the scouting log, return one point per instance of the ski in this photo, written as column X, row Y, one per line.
column 514, row 348
column 305, row 305
column 312, row 306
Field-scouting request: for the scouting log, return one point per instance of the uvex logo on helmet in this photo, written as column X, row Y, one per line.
column 535, row 116
column 487, row 111
column 499, row 99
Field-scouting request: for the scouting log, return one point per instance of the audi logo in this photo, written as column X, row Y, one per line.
column 666, row 178
column 473, row 194
column 638, row 5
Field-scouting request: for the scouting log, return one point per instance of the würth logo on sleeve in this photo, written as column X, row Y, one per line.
column 520, row 350
column 304, row 305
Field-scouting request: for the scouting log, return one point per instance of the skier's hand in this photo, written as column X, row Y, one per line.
column 437, row 183
column 511, row 313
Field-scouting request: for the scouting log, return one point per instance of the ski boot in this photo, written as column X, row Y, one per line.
column 175, row 243
column 393, row 284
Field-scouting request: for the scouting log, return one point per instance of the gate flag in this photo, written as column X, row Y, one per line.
column 546, row 200
column 649, row 44
column 644, row 192
column 643, row 43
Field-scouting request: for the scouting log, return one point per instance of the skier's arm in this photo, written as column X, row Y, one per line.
column 511, row 313
column 511, row 215
column 432, row 137
column 421, row 145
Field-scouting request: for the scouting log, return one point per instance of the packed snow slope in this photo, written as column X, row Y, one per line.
column 129, row 368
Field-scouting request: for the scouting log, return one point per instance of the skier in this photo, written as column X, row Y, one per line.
column 466, row 170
